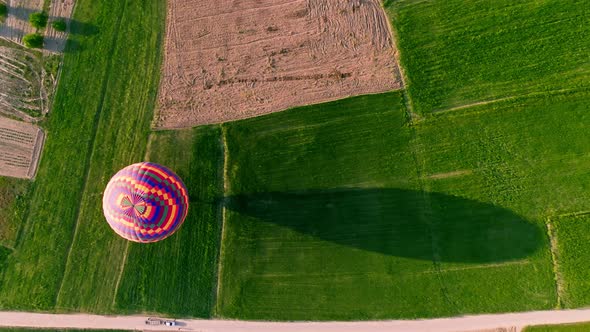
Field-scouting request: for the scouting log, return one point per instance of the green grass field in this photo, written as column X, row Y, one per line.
column 122, row 130
column 13, row 207
column 580, row 327
column 100, row 122
column 339, row 211
column 458, row 52
column 573, row 236
column 178, row 276
column 69, row 259
column 300, row 245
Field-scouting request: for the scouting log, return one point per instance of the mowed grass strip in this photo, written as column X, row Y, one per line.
column 457, row 53
column 578, row 327
column 573, row 252
column 177, row 276
column 126, row 110
column 34, row 271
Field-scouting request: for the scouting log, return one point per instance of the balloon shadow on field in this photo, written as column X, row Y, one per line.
column 398, row 222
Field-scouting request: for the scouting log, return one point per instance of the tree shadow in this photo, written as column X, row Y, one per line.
column 21, row 13
column 74, row 26
column 9, row 32
column 55, row 44
column 399, row 222
column 82, row 28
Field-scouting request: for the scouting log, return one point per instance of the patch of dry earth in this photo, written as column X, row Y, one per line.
column 235, row 59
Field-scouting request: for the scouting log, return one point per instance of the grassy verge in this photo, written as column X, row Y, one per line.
column 579, row 327
column 457, row 53
column 572, row 236
column 178, row 276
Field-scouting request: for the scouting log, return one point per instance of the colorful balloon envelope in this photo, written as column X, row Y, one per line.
column 145, row 202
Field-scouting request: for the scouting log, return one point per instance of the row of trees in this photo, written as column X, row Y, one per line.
column 38, row 21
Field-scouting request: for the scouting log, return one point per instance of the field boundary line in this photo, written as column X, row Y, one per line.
column 411, row 115
column 427, row 215
column 63, row 57
column 451, row 174
column 477, row 103
column 222, row 206
column 87, row 163
column 121, row 269
column 501, row 99
column 573, row 214
column 148, row 147
column 554, row 248
column 37, row 153
column 477, row 267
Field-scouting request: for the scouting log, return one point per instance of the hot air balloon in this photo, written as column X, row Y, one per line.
column 145, row 202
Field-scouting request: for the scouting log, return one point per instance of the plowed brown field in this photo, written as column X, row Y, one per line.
column 20, row 148
column 17, row 23
column 234, row 59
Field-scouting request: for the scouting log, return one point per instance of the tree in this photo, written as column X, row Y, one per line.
column 59, row 25
column 33, row 40
column 3, row 10
column 38, row 20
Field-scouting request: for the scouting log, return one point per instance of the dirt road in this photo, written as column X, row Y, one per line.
column 512, row 322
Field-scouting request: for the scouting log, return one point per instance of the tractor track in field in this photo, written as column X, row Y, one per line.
column 489, row 322
column 554, row 263
column 222, row 203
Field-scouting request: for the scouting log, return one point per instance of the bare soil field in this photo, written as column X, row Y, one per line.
column 234, row 59
column 25, row 86
column 17, row 23
column 20, row 148
column 55, row 41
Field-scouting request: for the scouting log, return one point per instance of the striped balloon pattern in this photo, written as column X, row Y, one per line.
column 145, row 202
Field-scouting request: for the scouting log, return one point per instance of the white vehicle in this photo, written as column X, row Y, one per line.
column 159, row 321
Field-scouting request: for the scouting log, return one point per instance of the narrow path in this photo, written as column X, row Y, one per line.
column 223, row 204
column 465, row 323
